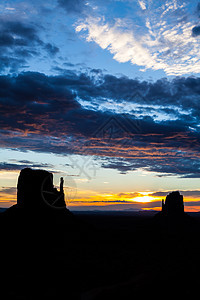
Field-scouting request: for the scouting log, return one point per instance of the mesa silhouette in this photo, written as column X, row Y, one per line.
column 40, row 207
column 35, row 191
column 172, row 216
column 36, row 194
column 173, row 204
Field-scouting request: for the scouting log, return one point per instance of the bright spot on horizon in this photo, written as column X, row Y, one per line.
column 143, row 199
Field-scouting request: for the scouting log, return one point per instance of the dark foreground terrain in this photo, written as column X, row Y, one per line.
column 98, row 256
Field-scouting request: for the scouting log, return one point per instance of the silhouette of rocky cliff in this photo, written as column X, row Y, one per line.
column 35, row 190
column 172, row 217
column 173, row 205
column 36, row 195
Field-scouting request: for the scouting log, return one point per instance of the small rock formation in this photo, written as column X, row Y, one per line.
column 173, row 204
column 172, row 217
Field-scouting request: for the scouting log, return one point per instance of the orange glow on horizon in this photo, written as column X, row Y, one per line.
column 125, row 200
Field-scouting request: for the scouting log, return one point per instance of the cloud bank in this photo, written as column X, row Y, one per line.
column 63, row 114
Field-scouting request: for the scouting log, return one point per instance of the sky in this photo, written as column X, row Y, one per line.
column 104, row 93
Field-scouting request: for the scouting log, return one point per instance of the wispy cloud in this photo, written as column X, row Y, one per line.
column 124, row 45
column 142, row 4
column 167, row 41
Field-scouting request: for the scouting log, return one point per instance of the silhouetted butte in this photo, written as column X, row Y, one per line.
column 173, row 204
column 35, row 191
column 172, row 216
column 40, row 205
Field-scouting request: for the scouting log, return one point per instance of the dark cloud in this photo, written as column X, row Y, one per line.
column 164, row 93
column 121, row 165
column 43, row 113
column 8, row 190
column 55, row 91
column 160, row 194
column 51, row 49
column 129, row 195
column 19, row 166
column 163, row 165
column 18, row 42
column 12, row 63
column 193, row 194
column 196, row 31
column 192, row 203
column 127, row 207
column 14, row 34
column 73, row 6
column 21, row 30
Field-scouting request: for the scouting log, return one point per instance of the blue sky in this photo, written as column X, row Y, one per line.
column 105, row 93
